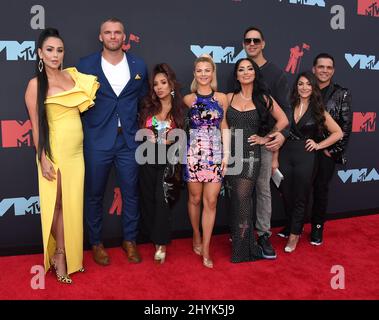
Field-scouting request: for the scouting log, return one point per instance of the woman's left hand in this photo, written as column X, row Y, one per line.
column 224, row 165
column 311, row 145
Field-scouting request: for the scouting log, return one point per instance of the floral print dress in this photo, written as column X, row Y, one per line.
column 204, row 145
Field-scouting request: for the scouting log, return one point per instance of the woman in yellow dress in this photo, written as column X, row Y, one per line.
column 54, row 99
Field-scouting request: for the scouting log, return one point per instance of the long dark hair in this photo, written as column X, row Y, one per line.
column 43, row 86
column 261, row 95
column 151, row 104
column 315, row 101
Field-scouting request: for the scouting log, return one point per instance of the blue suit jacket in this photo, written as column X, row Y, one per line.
column 100, row 121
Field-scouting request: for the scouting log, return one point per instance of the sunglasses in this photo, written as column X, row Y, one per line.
column 252, row 40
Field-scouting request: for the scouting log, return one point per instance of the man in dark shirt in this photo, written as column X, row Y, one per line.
column 337, row 101
column 276, row 82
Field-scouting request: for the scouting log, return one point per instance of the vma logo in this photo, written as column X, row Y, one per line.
column 22, row 206
column 294, row 60
column 365, row 62
column 219, row 54
column 358, row 175
column 18, row 51
column 368, row 8
column 364, row 122
column 16, row 134
column 320, row 3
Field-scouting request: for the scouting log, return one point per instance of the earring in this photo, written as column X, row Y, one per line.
column 40, row 65
column 62, row 66
column 172, row 93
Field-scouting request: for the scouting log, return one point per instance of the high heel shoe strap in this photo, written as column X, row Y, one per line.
column 197, row 248
column 160, row 254
column 207, row 262
column 59, row 251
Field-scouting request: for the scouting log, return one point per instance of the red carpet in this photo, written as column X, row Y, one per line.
column 304, row 274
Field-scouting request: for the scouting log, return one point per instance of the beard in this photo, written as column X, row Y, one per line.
column 112, row 47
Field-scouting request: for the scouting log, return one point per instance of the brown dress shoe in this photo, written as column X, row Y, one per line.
column 131, row 250
column 100, row 255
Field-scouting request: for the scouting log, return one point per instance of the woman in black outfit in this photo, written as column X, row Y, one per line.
column 248, row 111
column 311, row 123
column 162, row 111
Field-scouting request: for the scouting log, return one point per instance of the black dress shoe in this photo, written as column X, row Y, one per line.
column 316, row 234
column 284, row 233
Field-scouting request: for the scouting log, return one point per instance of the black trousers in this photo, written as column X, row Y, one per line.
column 297, row 166
column 156, row 215
column 324, row 173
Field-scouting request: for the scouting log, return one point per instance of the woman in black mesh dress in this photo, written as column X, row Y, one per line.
column 248, row 111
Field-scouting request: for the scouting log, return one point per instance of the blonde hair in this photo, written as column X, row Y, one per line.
column 205, row 58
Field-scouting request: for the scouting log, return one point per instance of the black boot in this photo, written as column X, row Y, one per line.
column 316, row 234
column 267, row 248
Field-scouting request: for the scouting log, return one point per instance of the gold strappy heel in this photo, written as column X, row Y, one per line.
column 207, row 263
column 197, row 248
column 61, row 278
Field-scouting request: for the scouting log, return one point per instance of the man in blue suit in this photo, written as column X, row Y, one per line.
column 109, row 136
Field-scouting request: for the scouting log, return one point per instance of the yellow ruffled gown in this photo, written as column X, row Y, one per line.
column 66, row 143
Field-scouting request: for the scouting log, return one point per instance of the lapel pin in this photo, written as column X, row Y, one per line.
column 137, row 77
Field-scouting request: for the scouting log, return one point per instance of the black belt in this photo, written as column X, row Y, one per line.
column 119, row 130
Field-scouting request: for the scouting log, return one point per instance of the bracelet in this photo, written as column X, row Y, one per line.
column 317, row 146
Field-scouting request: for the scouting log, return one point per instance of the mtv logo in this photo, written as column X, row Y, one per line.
column 365, row 62
column 18, row 51
column 358, row 175
column 364, row 121
column 219, row 54
column 16, row 133
column 368, row 8
column 22, row 206
column 320, row 3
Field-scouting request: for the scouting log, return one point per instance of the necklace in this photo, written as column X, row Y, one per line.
column 300, row 112
column 244, row 98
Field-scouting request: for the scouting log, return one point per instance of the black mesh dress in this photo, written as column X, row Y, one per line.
column 244, row 246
